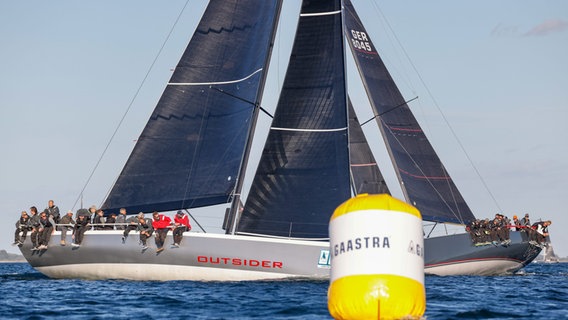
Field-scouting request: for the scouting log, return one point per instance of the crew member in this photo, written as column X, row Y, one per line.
column 81, row 225
column 161, row 224
column 99, row 220
column 146, row 230
column 46, row 225
column 132, row 224
column 66, row 224
column 33, row 226
column 110, row 221
column 52, row 210
column 121, row 219
column 21, row 226
column 516, row 224
column 181, row 222
column 525, row 221
column 541, row 229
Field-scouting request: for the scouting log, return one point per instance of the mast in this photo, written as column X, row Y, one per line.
column 303, row 173
column 236, row 201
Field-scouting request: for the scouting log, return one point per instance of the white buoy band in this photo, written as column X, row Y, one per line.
column 377, row 242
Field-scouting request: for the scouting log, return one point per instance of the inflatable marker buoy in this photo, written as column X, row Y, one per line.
column 377, row 260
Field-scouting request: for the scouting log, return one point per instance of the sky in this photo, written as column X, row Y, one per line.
column 496, row 71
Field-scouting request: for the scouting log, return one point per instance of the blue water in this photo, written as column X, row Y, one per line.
column 540, row 292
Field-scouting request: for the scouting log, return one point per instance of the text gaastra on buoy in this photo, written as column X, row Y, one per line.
column 377, row 260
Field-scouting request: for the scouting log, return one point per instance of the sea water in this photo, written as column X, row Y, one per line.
column 540, row 291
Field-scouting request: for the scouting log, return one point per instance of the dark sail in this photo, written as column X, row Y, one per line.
column 303, row 174
column 189, row 153
column 425, row 181
column 365, row 173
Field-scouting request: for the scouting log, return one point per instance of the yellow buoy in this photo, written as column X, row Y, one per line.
column 377, row 260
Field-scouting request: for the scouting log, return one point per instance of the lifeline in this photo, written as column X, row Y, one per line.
column 360, row 243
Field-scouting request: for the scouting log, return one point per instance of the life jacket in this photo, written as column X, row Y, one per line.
column 162, row 223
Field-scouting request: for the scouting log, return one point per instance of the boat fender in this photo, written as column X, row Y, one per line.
column 377, row 259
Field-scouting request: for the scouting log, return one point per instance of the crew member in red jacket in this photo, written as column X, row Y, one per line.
column 161, row 224
column 182, row 225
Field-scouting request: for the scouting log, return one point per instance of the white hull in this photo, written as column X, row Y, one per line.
column 154, row 272
column 201, row 257
column 219, row 257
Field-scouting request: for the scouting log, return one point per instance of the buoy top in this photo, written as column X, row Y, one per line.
column 367, row 201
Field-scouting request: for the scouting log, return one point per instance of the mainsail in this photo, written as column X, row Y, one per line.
column 422, row 176
column 303, row 174
column 190, row 151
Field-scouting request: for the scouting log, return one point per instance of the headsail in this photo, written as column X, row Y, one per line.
column 303, row 174
column 365, row 172
column 424, row 180
column 189, row 153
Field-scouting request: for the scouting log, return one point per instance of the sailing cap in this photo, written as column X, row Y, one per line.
column 514, row 217
column 141, row 215
column 69, row 212
column 180, row 212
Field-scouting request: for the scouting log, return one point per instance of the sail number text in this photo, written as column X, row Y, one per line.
column 360, row 40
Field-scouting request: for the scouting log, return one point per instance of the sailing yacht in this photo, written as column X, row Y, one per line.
column 194, row 151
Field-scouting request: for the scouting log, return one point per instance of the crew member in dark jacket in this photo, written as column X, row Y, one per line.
column 146, row 230
column 121, row 219
column 46, row 225
column 526, row 221
column 52, row 210
column 33, row 226
column 21, row 226
column 99, row 220
column 132, row 225
column 81, row 225
column 66, row 224
column 109, row 222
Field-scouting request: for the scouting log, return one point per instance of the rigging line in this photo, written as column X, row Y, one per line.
column 195, row 220
column 452, row 193
column 421, row 171
column 389, row 110
column 130, row 105
column 242, row 99
column 443, row 115
column 431, row 230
